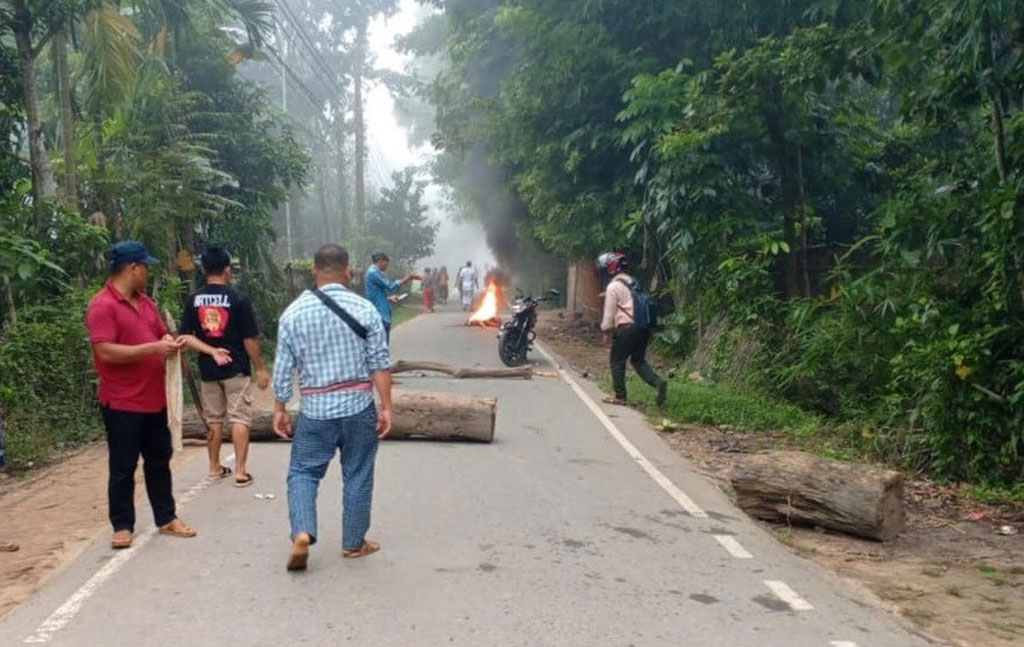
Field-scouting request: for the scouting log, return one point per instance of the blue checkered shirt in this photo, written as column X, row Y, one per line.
column 314, row 341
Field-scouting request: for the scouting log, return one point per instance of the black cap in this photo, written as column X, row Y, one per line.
column 129, row 251
column 379, row 256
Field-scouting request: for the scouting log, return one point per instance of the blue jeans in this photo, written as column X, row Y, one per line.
column 313, row 448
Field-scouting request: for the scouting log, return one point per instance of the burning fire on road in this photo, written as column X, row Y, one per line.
column 487, row 313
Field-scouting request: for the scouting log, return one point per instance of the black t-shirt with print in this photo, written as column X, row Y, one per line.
column 222, row 317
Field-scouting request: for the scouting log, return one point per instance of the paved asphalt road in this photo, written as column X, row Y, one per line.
column 552, row 535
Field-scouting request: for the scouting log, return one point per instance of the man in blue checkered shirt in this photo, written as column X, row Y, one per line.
column 337, row 372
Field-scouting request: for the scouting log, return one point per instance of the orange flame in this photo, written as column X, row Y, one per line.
column 488, row 310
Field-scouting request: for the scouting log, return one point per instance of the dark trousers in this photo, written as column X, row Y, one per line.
column 629, row 343
column 129, row 435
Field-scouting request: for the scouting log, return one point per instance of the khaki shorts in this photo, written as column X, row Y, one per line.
column 229, row 399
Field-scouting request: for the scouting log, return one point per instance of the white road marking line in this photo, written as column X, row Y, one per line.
column 67, row 611
column 788, row 595
column 733, row 546
column 659, row 477
column 843, row 643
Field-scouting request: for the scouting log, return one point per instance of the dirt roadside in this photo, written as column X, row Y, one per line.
column 955, row 578
column 53, row 515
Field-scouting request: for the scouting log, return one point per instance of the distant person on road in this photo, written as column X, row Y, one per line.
column 442, row 285
column 223, row 317
column 468, row 284
column 429, row 289
column 129, row 342
column 378, row 286
column 627, row 337
column 336, row 341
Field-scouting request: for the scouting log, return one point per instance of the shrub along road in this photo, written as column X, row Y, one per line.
column 577, row 526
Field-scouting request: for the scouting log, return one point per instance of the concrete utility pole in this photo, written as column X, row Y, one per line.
column 360, row 126
column 284, row 109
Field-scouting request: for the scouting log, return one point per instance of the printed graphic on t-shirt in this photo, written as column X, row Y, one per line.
column 214, row 320
column 213, row 311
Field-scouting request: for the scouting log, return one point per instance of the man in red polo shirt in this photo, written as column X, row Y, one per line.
column 130, row 342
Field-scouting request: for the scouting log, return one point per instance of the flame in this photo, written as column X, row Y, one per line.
column 488, row 310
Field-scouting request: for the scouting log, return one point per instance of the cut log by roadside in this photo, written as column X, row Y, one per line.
column 415, row 414
column 798, row 488
column 461, row 372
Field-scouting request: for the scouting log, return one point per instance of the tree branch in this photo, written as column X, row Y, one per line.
column 43, row 41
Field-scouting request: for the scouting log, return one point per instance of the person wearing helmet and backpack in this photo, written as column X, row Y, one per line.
column 629, row 316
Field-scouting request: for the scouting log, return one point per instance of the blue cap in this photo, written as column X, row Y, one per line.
column 130, row 251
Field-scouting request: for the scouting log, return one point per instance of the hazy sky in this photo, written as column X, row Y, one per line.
column 388, row 149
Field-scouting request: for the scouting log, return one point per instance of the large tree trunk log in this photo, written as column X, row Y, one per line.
column 402, row 366
column 798, row 488
column 415, row 413
column 443, row 415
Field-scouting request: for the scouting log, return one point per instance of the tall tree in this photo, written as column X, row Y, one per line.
column 30, row 22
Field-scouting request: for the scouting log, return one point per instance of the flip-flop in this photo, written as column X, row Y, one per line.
column 617, row 401
column 368, row 548
column 244, row 482
column 184, row 530
column 121, row 539
column 224, row 473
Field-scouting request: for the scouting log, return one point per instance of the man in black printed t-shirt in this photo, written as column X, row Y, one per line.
column 223, row 317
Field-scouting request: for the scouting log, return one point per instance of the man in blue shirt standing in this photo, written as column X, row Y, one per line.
column 378, row 286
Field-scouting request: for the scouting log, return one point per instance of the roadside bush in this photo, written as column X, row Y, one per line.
column 47, row 384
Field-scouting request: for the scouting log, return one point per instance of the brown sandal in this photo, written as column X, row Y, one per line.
column 178, row 528
column 121, row 539
column 616, row 401
column 368, row 548
column 299, row 554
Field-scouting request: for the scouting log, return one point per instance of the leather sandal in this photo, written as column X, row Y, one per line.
column 178, row 528
column 368, row 548
column 121, row 539
column 299, row 554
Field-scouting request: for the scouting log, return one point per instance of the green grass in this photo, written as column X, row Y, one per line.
column 721, row 404
column 409, row 309
column 995, row 494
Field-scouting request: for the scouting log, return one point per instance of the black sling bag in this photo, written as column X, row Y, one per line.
column 358, row 328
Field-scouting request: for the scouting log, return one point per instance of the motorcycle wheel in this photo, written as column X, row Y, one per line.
column 511, row 352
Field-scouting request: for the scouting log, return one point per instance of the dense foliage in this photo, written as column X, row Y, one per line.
column 161, row 121
column 839, row 179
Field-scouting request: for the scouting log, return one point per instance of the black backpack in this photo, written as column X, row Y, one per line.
column 645, row 307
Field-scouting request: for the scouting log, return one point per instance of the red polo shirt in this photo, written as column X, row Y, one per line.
column 111, row 318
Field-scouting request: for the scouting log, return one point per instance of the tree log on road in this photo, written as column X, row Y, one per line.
column 795, row 487
column 415, row 414
column 402, row 366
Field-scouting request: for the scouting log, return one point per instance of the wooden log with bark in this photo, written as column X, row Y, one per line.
column 798, row 488
column 461, row 372
column 415, row 414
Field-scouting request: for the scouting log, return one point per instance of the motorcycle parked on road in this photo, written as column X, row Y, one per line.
column 515, row 339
